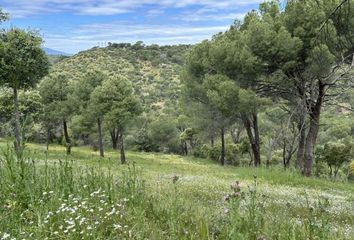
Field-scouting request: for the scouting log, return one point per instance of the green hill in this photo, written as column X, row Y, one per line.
column 154, row 70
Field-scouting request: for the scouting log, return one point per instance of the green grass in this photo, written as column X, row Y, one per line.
column 155, row 165
column 285, row 205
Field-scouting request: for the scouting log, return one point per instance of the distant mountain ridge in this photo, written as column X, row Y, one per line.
column 50, row 51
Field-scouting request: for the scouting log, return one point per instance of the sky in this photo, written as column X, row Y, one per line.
column 75, row 25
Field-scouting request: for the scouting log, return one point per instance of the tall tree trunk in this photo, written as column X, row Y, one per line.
column 114, row 138
column 257, row 140
column 48, row 139
column 310, row 146
column 222, row 158
column 122, row 151
column 301, row 124
column 100, row 137
column 288, row 152
column 67, row 138
column 301, row 149
column 253, row 137
column 185, row 146
column 315, row 113
column 17, row 142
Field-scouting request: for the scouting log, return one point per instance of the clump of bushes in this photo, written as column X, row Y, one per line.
column 335, row 155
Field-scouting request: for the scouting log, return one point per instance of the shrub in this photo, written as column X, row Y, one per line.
column 335, row 155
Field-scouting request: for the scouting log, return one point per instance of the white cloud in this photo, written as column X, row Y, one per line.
column 212, row 17
column 88, row 36
column 22, row 8
column 197, row 20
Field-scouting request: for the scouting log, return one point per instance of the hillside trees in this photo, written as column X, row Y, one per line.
column 22, row 64
column 320, row 63
column 215, row 94
column 223, row 95
column 298, row 63
column 88, row 111
column 58, row 106
column 281, row 56
column 116, row 101
column 232, row 55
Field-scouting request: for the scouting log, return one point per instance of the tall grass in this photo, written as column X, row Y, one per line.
column 59, row 200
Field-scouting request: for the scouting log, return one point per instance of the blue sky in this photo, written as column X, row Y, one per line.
column 74, row 25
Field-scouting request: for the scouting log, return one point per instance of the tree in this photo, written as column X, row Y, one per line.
column 58, row 105
column 213, row 92
column 22, row 64
column 87, row 108
column 223, row 95
column 116, row 99
column 30, row 107
column 164, row 133
column 319, row 63
column 260, row 48
column 335, row 155
column 283, row 55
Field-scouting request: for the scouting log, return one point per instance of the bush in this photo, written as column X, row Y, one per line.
column 232, row 152
column 213, row 152
column 335, row 155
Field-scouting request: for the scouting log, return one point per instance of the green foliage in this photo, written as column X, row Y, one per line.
column 222, row 93
column 115, row 101
column 335, row 155
column 143, row 141
column 152, row 70
column 163, row 132
column 233, row 153
column 55, row 93
column 23, row 62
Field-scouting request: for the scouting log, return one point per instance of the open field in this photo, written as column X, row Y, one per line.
column 169, row 197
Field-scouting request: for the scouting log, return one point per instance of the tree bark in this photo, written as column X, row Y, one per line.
column 67, row 138
column 122, row 151
column 287, row 154
column 114, row 138
column 222, row 157
column 315, row 113
column 48, row 139
column 309, row 147
column 185, row 146
column 17, row 142
column 253, row 137
column 302, row 137
column 257, row 140
column 100, row 137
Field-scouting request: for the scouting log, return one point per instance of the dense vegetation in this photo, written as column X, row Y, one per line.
column 270, row 97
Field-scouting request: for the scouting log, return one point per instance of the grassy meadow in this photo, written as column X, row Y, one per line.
column 47, row 195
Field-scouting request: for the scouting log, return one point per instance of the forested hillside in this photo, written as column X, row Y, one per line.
column 153, row 70
column 248, row 134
